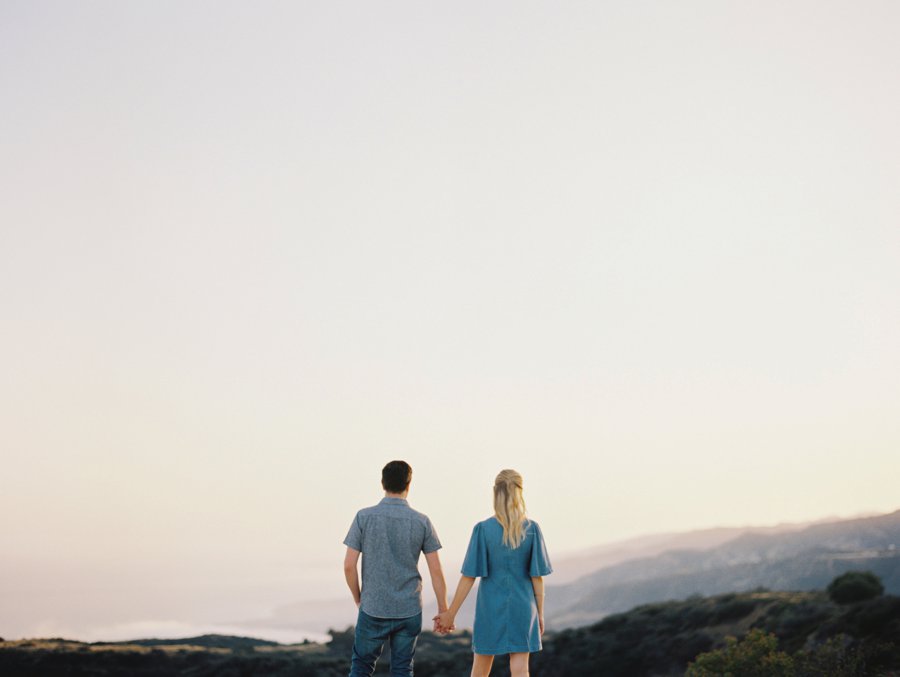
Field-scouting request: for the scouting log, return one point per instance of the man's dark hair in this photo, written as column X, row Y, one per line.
column 396, row 476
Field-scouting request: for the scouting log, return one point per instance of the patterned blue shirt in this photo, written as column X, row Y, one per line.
column 390, row 537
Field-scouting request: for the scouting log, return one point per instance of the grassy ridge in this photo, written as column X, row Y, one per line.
column 653, row 639
column 660, row 639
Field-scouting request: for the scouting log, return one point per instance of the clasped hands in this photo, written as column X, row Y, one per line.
column 444, row 623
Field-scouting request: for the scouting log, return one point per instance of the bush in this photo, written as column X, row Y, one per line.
column 756, row 655
column 838, row 657
column 855, row 586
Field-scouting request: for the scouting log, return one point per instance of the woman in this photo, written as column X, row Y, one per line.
column 507, row 552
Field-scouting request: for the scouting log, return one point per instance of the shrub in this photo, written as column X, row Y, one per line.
column 756, row 655
column 855, row 586
column 837, row 657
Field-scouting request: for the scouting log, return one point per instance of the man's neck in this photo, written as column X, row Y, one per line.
column 388, row 494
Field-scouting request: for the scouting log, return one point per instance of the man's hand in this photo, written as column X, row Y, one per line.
column 444, row 622
column 436, row 627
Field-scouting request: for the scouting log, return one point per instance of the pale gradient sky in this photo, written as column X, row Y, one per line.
column 647, row 253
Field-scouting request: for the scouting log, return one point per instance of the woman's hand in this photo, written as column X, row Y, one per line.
column 444, row 622
column 541, row 623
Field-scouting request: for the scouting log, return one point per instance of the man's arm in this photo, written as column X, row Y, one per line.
column 437, row 579
column 351, row 573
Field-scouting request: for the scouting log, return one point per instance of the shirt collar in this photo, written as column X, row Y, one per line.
column 390, row 500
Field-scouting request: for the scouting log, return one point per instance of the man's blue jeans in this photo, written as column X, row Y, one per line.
column 372, row 633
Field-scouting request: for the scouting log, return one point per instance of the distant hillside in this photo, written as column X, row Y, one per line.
column 205, row 641
column 796, row 560
column 575, row 565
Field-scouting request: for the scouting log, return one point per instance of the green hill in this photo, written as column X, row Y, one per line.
column 660, row 639
column 855, row 639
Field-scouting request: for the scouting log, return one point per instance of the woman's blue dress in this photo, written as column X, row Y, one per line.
column 506, row 615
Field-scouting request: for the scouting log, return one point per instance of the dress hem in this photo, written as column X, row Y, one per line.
column 503, row 652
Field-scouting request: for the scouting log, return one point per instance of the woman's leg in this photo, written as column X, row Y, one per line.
column 518, row 664
column 481, row 665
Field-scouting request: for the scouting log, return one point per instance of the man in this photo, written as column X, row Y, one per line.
column 390, row 537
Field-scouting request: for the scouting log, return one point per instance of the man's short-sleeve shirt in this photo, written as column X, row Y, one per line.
column 390, row 537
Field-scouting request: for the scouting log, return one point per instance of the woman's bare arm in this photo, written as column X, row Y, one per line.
column 445, row 621
column 537, row 582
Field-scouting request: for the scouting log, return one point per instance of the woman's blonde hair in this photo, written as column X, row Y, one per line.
column 509, row 507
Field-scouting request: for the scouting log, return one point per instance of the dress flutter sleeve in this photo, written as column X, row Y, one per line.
column 540, row 560
column 475, row 563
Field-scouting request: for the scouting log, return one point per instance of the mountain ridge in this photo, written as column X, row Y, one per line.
column 800, row 560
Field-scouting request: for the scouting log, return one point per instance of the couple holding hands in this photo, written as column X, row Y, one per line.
column 506, row 551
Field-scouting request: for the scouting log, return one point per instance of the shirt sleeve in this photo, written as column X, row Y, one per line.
column 475, row 563
column 354, row 537
column 540, row 560
column 431, row 542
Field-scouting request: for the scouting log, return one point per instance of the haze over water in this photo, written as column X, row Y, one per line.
column 645, row 254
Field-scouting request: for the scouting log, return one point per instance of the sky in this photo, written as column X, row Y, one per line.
column 645, row 253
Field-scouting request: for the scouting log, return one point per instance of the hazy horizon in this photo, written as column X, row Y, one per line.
column 646, row 254
column 330, row 594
